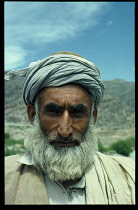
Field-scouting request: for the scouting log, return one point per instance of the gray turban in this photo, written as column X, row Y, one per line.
column 56, row 70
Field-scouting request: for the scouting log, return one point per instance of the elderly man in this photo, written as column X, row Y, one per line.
column 62, row 165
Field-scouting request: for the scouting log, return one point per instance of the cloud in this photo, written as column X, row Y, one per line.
column 35, row 23
column 109, row 23
column 14, row 56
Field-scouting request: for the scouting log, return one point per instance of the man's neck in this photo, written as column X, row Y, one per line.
column 70, row 182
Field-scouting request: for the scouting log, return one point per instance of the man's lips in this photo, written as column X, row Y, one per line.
column 65, row 143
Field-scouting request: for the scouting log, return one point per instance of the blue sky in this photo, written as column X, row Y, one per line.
column 102, row 32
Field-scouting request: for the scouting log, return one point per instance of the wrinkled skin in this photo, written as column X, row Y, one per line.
column 63, row 111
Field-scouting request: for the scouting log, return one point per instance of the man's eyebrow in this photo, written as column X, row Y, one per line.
column 76, row 107
column 79, row 107
column 52, row 106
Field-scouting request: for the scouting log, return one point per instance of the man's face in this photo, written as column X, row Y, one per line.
column 62, row 140
column 64, row 111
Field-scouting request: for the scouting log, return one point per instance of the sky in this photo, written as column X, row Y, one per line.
column 102, row 32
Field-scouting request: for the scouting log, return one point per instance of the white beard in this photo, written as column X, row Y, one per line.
column 64, row 163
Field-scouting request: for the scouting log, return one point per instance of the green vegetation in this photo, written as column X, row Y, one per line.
column 101, row 147
column 13, row 147
column 123, row 147
column 7, row 135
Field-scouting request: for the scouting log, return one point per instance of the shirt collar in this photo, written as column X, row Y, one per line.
column 26, row 159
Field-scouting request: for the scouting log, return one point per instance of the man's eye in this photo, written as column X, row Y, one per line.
column 77, row 113
column 53, row 112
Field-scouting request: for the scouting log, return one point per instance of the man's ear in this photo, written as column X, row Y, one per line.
column 31, row 112
column 95, row 113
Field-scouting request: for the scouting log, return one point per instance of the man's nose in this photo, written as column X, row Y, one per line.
column 65, row 122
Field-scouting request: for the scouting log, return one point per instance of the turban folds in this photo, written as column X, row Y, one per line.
column 60, row 69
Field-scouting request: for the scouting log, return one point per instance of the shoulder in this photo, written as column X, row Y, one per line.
column 119, row 158
column 11, row 163
column 11, row 159
column 128, row 162
column 118, row 175
column 124, row 164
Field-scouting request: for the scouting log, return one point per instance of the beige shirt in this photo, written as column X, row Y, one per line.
column 57, row 194
column 109, row 180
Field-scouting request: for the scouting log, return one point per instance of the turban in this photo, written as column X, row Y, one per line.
column 60, row 69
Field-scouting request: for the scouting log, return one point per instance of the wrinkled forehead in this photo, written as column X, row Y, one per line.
column 72, row 93
column 75, row 86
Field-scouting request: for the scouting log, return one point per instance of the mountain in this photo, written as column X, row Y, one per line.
column 117, row 110
column 115, row 114
column 124, row 90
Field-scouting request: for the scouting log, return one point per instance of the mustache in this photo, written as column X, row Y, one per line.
column 71, row 138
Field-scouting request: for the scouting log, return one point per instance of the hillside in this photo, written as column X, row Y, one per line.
column 124, row 90
column 115, row 114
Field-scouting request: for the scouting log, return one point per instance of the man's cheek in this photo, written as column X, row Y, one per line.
column 48, row 126
column 83, row 126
